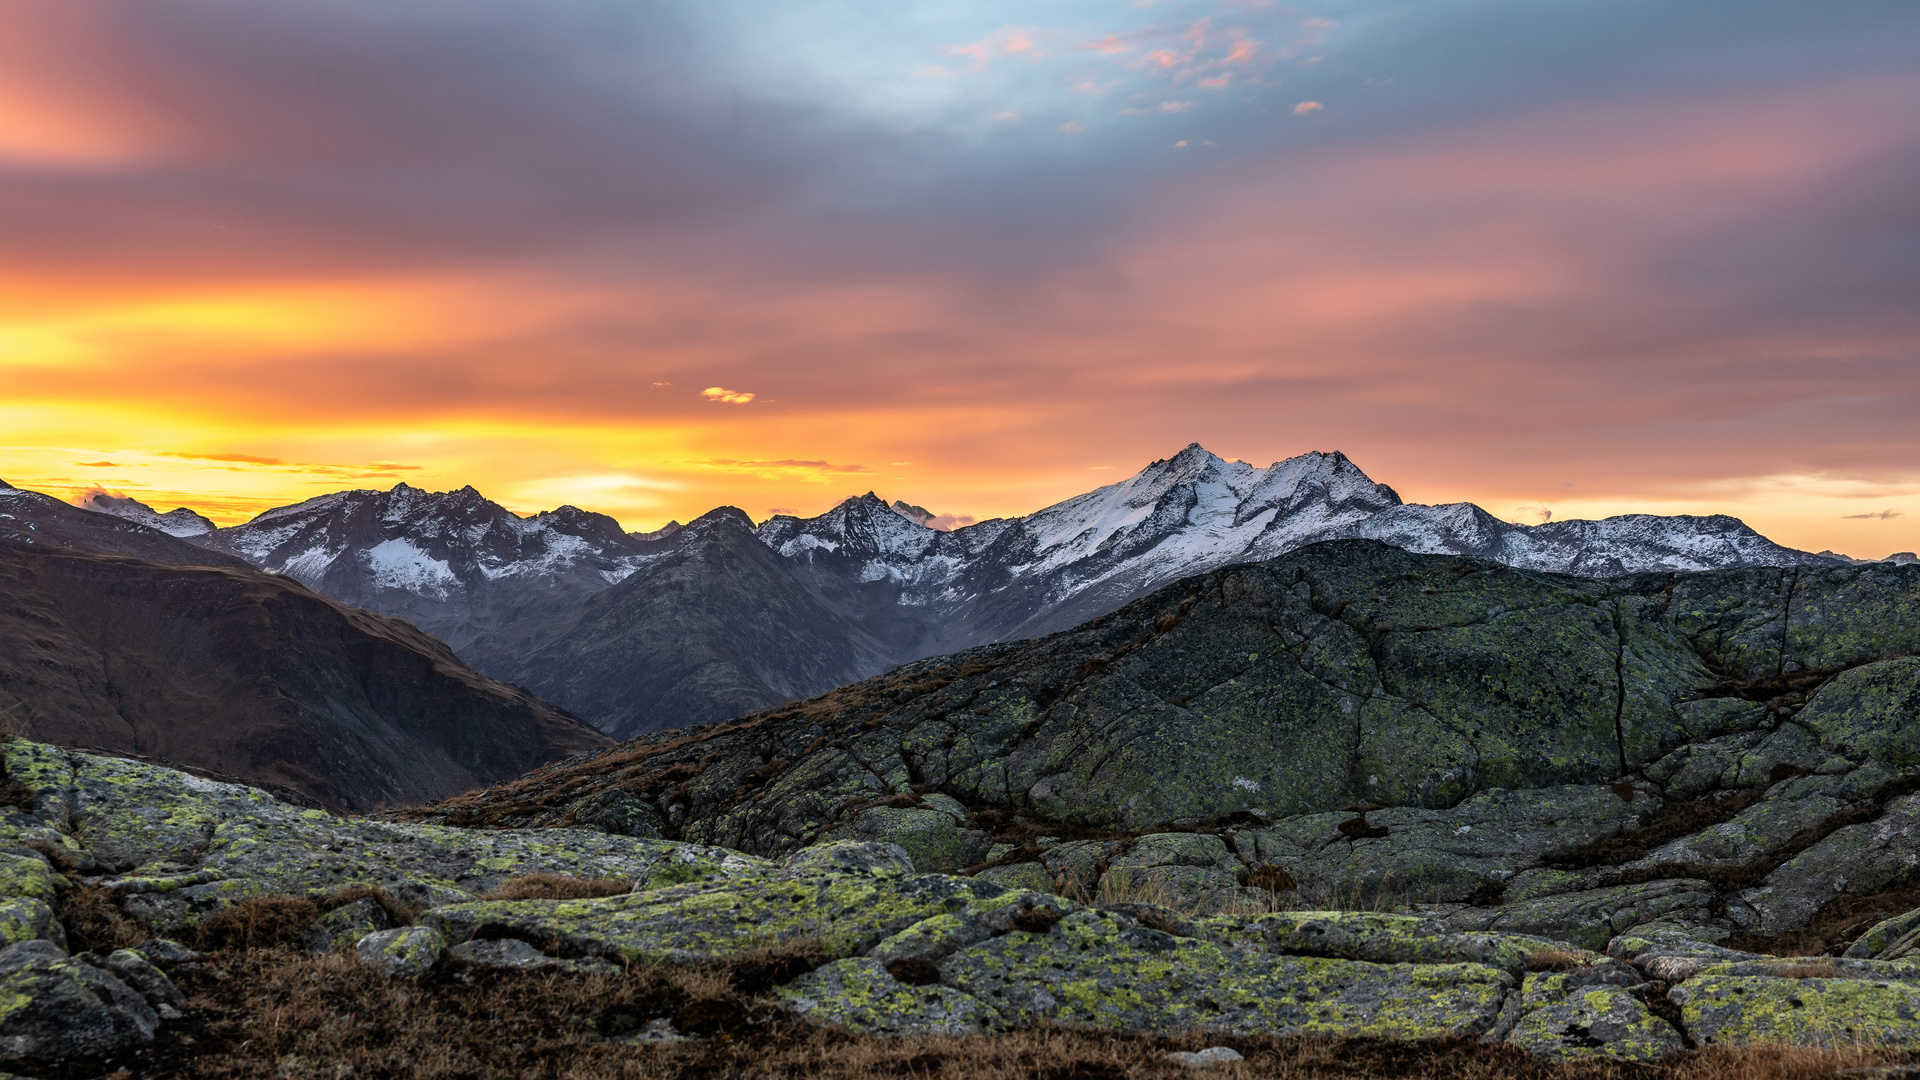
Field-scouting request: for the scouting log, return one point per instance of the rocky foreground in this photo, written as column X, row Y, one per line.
column 894, row 951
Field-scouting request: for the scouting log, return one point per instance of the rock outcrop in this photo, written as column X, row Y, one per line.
column 894, row 951
column 1729, row 750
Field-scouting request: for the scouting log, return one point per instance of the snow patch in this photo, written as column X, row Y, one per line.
column 399, row 564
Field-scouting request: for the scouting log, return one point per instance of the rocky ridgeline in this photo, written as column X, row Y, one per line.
column 898, row 951
column 1732, row 752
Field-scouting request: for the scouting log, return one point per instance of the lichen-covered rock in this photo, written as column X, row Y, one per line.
column 979, row 919
column 168, row 953
column 1592, row 917
column 1376, row 938
column 686, row 863
column 24, row 918
column 346, row 925
column 1822, row 967
column 406, row 952
column 1075, row 866
column 845, row 913
column 1023, row 875
column 1694, row 769
column 517, row 955
column 1868, row 712
column 137, row 971
column 25, row 875
column 1857, row 859
column 1750, row 1009
column 1888, row 939
column 54, row 1007
column 184, row 847
column 934, row 837
column 848, row 857
column 859, row 994
column 1564, row 1017
column 1764, row 827
column 1445, row 854
column 1103, row 969
column 1194, row 869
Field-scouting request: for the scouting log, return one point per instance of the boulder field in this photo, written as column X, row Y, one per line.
column 896, row 950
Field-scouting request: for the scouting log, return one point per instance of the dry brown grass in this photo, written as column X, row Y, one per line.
column 1554, row 960
column 269, row 922
column 258, row 922
column 94, row 921
column 558, row 887
column 1810, row 971
column 265, row 1014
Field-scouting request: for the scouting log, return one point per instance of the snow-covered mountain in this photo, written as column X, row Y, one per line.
column 640, row 631
column 1194, row 512
column 453, row 563
column 180, row 521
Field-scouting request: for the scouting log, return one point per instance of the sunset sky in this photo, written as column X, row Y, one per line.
column 652, row 257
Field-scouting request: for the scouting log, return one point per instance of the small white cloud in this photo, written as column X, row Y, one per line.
column 658, row 385
column 1306, row 107
column 1073, row 127
column 726, row 396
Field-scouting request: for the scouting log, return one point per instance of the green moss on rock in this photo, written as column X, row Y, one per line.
column 1562, row 1019
column 859, row 995
column 1757, row 1010
column 1103, row 969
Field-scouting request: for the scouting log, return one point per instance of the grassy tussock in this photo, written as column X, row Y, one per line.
column 558, row 887
column 94, row 921
column 1554, row 960
column 1127, row 886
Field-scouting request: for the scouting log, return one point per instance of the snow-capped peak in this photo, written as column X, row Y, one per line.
column 430, row 544
column 180, row 522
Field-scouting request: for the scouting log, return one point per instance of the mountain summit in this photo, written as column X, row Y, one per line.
column 641, row 631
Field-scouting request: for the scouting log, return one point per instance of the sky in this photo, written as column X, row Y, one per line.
column 1558, row 258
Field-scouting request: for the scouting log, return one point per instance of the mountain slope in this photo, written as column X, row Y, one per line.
column 28, row 517
column 1344, row 674
column 716, row 627
column 253, row 676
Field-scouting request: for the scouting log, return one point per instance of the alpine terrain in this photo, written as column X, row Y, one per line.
column 1475, row 819
column 636, row 632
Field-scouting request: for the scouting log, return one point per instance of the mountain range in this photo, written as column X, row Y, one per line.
column 120, row 637
column 640, row 631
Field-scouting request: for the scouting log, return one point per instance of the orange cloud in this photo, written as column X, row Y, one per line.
column 726, row 396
